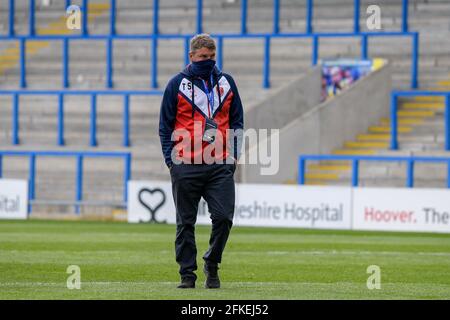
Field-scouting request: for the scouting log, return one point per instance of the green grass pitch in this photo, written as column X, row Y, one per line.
column 125, row 261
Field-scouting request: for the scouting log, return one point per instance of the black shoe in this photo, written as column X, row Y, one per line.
column 187, row 283
column 212, row 277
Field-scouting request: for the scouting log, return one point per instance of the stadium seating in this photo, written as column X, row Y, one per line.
column 243, row 58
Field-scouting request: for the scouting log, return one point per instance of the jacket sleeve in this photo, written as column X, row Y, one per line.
column 167, row 117
column 236, row 119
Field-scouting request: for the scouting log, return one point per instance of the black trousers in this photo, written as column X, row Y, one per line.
column 215, row 183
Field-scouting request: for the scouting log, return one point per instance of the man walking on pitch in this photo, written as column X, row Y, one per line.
column 201, row 120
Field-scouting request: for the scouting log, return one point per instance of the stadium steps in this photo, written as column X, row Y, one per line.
column 420, row 127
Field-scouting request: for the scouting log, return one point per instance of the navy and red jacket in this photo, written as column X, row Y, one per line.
column 186, row 103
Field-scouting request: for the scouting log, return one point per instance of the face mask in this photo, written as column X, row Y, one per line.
column 203, row 69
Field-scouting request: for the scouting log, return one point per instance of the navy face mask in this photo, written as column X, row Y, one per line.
column 203, row 69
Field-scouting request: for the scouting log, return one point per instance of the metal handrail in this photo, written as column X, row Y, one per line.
column 394, row 108
column 199, row 18
column 355, row 160
column 155, row 38
column 93, row 112
column 79, row 155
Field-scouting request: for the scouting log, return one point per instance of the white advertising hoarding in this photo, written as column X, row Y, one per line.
column 256, row 205
column 293, row 206
column 150, row 201
column 13, row 199
column 378, row 209
column 394, row 209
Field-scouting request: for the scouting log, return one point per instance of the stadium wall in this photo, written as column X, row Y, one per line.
column 326, row 126
column 286, row 103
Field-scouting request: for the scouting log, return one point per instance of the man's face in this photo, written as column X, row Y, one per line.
column 202, row 54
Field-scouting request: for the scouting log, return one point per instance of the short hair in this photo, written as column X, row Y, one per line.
column 202, row 40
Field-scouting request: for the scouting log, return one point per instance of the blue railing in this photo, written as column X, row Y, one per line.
column 355, row 160
column 60, row 114
column 394, row 108
column 156, row 36
column 199, row 23
column 315, row 37
column 32, row 155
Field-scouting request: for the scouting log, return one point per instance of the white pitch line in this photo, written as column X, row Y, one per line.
column 344, row 252
column 88, row 283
